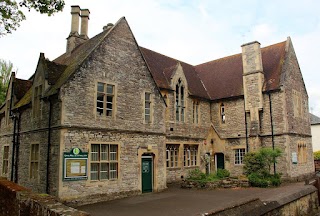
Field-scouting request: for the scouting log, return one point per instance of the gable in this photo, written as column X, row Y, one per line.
column 163, row 67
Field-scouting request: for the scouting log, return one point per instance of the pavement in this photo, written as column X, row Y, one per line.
column 177, row 201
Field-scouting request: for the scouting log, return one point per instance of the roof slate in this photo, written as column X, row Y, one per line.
column 223, row 77
column 162, row 68
column 21, row 87
column 314, row 119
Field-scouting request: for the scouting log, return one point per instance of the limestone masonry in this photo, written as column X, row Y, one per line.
column 109, row 119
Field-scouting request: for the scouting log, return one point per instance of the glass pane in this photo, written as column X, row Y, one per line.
column 95, row 152
column 109, row 89
column 113, row 152
column 94, row 171
column 182, row 114
column 147, row 118
column 36, row 156
column 104, row 152
column 147, row 105
column 100, row 87
column 99, row 105
column 100, row 97
column 147, row 96
column 6, row 152
column 147, row 111
column 109, row 112
column 113, row 170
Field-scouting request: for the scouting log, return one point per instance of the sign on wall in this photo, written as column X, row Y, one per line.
column 75, row 165
column 294, row 158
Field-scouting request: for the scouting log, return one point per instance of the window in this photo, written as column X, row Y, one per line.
column 222, row 113
column 105, row 99
column 36, row 101
column 190, row 155
column 5, row 162
column 239, row 155
column 195, row 112
column 147, row 107
column 172, row 155
column 104, row 161
column 34, row 161
column 302, row 153
column 180, row 101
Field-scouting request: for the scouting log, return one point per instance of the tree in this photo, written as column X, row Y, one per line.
column 11, row 15
column 5, row 73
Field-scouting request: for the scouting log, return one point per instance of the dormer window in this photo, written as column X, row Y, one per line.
column 222, row 114
column 36, row 101
column 180, row 101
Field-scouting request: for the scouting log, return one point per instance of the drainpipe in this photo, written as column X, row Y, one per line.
column 246, row 126
column 49, row 145
column 271, row 124
column 17, row 147
column 13, row 146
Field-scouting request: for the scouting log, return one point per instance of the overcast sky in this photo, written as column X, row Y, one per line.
column 194, row 31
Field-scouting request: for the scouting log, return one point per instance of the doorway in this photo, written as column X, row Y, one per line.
column 219, row 161
column 147, row 173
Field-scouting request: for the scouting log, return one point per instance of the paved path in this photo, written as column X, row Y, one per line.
column 177, row 201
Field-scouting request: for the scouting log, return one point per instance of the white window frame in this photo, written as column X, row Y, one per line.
column 239, row 156
column 222, row 113
column 147, row 102
column 172, row 155
column 190, row 155
column 106, row 94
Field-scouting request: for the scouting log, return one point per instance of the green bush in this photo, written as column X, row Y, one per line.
column 196, row 174
column 316, row 155
column 257, row 181
column 275, row 180
column 223, row 173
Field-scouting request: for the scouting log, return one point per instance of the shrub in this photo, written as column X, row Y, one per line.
column 316, row 155
column 223, row 173
column 196, row 174
column 257, row 181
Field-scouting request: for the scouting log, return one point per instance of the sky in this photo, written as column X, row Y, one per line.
column 193, row 31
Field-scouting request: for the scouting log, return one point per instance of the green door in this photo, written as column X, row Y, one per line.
column 220, row 160
column 146, row 168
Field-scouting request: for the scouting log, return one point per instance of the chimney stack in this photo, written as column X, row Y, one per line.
column 75, row 39
column 84, row 23
column 75, row 13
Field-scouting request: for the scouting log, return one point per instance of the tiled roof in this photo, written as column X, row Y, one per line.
column 54, row 71
column 314, row 119
column 21, row 87
column 162, row 68
column 223, row 77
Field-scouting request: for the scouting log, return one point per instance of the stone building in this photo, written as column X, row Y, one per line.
column 315, row 131
column 109, row 118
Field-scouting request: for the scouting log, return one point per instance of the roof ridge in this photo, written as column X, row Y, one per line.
column 167, row 56
column 229, row 56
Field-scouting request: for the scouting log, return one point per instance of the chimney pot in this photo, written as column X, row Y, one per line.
column 107, row 27
column 84, row 22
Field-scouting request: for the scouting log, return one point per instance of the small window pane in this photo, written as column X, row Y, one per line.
column 147, row 96
column 94, row 171
column 147, row 105
column 104, row 152
column 110, row 89
column 100, row 87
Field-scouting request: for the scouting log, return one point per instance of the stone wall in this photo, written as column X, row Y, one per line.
column 16, row 200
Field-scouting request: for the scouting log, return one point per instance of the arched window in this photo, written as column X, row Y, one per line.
column 222, row 113
column 180, row 101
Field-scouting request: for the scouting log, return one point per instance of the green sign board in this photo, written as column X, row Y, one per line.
column 75, row 165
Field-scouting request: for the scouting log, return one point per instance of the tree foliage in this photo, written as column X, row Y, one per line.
column 11, row 14
column 257, row 166
column 6, row 68
column 316, row 155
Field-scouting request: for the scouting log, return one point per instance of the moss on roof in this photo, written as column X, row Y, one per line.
column 25, row 100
